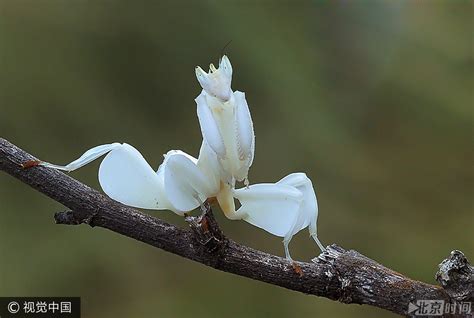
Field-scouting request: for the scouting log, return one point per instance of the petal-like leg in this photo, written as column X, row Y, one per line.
column 309, row 206
column 125, row 176
column 89, row 156
column 286, row 242
column 272, row 207
column 186, row 186
column 296, row 179
column 314, row 235
column 308, row 213
column 309, row 209
column 210, row 166
column 209, row 128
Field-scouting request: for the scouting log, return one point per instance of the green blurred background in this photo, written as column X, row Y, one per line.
column 372, row 99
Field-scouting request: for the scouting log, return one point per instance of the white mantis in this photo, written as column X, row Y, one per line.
column 183, row 183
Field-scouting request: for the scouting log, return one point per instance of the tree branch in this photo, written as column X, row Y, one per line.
column 337, row 274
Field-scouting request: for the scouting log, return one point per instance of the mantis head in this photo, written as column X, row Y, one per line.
column 217, row 82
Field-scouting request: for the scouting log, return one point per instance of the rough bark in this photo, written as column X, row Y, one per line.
column 337, row 274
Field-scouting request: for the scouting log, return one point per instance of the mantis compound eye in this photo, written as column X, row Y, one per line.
column 225, row 66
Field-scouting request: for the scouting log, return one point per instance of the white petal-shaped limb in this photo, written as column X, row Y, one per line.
column 271, row 207
column 209, row 165
column 88, row 156
column 308, row 211
column 185, row 185
column 125, row 176
column 217, row 82
column 209, row 127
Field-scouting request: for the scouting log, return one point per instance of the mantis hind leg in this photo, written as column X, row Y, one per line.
column 315, row 237
column 89, row 156
column 286, row 243
column 314, row 234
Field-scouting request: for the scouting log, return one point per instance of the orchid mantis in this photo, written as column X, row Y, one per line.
column 182, row 183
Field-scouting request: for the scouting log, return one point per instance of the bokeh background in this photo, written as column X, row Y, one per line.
column 372, row 99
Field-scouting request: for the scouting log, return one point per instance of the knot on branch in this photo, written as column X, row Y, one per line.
column 331, row 253
column 206, row 231
column 456, row 275
column 330, row 257
column 74, row 218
